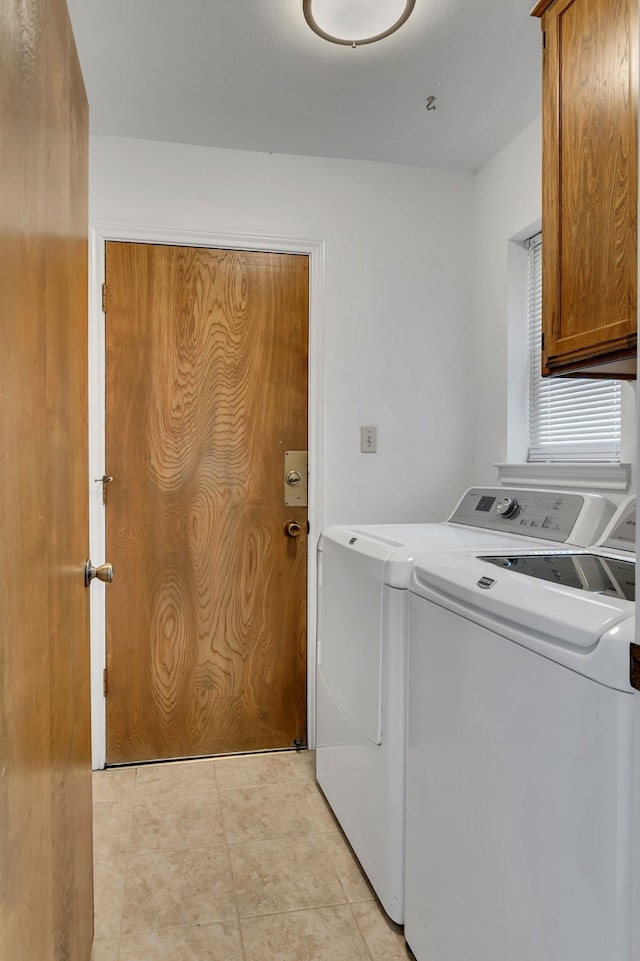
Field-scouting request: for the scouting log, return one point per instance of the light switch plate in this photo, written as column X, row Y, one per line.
column 369, row 439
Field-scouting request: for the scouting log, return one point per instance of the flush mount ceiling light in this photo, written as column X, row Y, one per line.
column 355, row 22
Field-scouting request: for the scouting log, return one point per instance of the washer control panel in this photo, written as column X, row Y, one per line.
column 507, row 507
column 551, row 515
column 621, row 533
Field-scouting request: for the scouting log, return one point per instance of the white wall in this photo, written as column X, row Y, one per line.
column 398, row 298
column 508, row 200
column 508, row 208
column 417, row 308
column 392, row 322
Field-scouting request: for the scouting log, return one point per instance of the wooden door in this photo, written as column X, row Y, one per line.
column 206, row 365
column 46, row 900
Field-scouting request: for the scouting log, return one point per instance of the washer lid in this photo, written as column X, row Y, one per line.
column 596, row 574
column 511, row 604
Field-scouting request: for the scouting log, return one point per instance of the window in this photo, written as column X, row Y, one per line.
column 569, row 420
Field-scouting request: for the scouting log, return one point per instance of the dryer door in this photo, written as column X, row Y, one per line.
column 350, row 591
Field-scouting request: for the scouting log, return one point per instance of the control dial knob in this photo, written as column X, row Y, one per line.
column 507, row 507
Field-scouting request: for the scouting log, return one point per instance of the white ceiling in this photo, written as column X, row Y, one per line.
column 249, row 74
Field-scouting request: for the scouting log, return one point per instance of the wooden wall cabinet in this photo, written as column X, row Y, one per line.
column 589, row 187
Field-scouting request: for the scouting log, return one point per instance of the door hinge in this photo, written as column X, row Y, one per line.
column 542, row 342
column 544, row 39
column 104, row 683
column 104, row 298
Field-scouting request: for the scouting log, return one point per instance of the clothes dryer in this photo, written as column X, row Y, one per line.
column 363, row 579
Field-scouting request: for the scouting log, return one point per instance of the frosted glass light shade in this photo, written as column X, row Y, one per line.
column 354, row 22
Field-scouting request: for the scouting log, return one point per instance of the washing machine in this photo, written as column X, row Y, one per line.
column 363, row 576
column 523, row 676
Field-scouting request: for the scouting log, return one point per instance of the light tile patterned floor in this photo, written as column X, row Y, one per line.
column 229, row 859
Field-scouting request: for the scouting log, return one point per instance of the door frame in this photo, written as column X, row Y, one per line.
column 100, row 233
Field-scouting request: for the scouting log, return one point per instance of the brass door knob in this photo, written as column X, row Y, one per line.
column 104, row 573
column 292, row 528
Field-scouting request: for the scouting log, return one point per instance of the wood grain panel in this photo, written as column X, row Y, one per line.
column 589, row 182
column 46, row 903
column 206, row 389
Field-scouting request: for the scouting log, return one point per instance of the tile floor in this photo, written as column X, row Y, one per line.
column 229, row 859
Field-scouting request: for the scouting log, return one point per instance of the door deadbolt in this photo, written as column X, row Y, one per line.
column 103, row 573
column 294, row 477
column 292, row 528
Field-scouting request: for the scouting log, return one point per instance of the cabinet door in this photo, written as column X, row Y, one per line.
column 589, row 186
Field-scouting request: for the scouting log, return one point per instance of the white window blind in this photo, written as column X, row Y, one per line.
column 568, row 420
